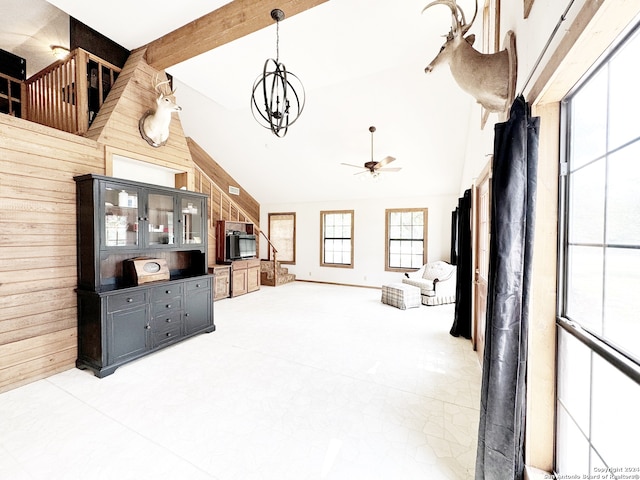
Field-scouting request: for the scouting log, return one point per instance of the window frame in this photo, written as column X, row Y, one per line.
column 564, row 212
column 425, row 238
column 579, row 418
column 323, row 215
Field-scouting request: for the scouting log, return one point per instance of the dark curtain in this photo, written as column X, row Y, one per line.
column 462, row 320
column 454, row 237
column 503, row 397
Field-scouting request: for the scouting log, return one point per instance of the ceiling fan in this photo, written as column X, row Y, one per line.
column 373, row 167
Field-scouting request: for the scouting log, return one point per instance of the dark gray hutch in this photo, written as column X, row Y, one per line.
column 142, row 270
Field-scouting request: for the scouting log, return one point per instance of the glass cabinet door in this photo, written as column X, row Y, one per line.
column 191, row 223
column 121, row 216
column 160, row 218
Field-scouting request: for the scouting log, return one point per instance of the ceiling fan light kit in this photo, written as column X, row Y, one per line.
column 374, row 168
column 278, row 96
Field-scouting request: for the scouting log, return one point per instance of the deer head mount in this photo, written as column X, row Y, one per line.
column 489, row 77
column 154, row 124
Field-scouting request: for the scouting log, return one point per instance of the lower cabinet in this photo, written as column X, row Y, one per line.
column 221, row 281
column 253, row 275
column 238, row 279
column 199, row 304
column 121, row 325
column 245, row 276
column 127, row 334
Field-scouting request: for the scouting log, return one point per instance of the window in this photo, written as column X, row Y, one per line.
column 282, row 234
column 336, row 228
column 406, row 242
column 598, row 379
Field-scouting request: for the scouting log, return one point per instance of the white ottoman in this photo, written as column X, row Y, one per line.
column 401, row 295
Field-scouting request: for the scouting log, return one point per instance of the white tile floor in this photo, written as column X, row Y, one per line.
column 302, row 381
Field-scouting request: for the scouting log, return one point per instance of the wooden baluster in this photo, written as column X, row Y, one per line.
column 73, row 94
column 275, row 267
column 57, row 97
column 68, row 121
column 47, row 98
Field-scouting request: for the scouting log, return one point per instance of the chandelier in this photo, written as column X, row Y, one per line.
column 278, row 96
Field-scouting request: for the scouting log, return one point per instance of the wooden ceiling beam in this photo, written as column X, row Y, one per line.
column 226, row 24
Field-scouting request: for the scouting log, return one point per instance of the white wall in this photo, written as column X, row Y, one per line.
column 131, row 169
column 369, row 237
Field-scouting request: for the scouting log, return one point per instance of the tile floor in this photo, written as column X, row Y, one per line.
column 302, row 381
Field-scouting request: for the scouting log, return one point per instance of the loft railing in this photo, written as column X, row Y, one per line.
column 222, row 207
column 68, row 93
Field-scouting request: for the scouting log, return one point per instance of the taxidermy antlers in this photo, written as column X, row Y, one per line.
column 154, row 124
column 489, row 78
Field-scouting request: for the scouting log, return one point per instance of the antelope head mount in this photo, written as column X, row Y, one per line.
column 489, row 78
column 154, row 124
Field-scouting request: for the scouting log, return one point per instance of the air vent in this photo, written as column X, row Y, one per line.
column 234, row 190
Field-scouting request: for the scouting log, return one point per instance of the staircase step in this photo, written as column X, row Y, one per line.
column 266, row 278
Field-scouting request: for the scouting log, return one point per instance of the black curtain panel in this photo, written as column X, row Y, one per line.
column 462, row 319
column 500, row 454
column 454, row 237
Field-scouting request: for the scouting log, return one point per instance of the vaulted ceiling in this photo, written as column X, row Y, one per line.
column 361, row 62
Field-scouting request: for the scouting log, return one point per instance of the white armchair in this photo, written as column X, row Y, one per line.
column 437, row 282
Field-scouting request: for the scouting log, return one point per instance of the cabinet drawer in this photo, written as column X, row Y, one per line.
column 162, row 323
column 126, row 300
column 239, row 265
column 220, row 271
column 165, row 336
column 167, row 291
column 196, row 285
column 254, row 262
column 168, row 305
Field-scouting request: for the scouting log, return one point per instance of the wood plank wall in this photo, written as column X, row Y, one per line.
column 116, row 125
column 38, row 316
column 38, row 247
column 223, row 180
column 215, row 182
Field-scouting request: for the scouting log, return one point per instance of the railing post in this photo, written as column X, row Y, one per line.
column 275, row 268
column 82, row 87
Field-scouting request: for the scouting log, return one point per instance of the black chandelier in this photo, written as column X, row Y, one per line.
column 282, row 92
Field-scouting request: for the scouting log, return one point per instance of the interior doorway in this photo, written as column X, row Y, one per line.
column 481, row 268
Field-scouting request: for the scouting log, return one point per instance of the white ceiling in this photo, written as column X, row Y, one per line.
column 361, row 62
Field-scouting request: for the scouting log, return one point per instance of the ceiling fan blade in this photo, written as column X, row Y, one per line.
column 392, row 169
column 351, row 165
column 384, row 161
column 363, row 171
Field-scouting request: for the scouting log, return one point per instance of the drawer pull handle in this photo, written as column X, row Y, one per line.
column 197, row 285
column 169, row 305
column 168, row 292
column 129, row 299
column 168, row 320
column 186, row 314
column 169, row 334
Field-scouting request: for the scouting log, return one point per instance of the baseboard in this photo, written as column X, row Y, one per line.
column 339, row 284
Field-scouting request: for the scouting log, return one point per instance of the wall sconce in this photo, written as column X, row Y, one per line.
column 59, row 52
